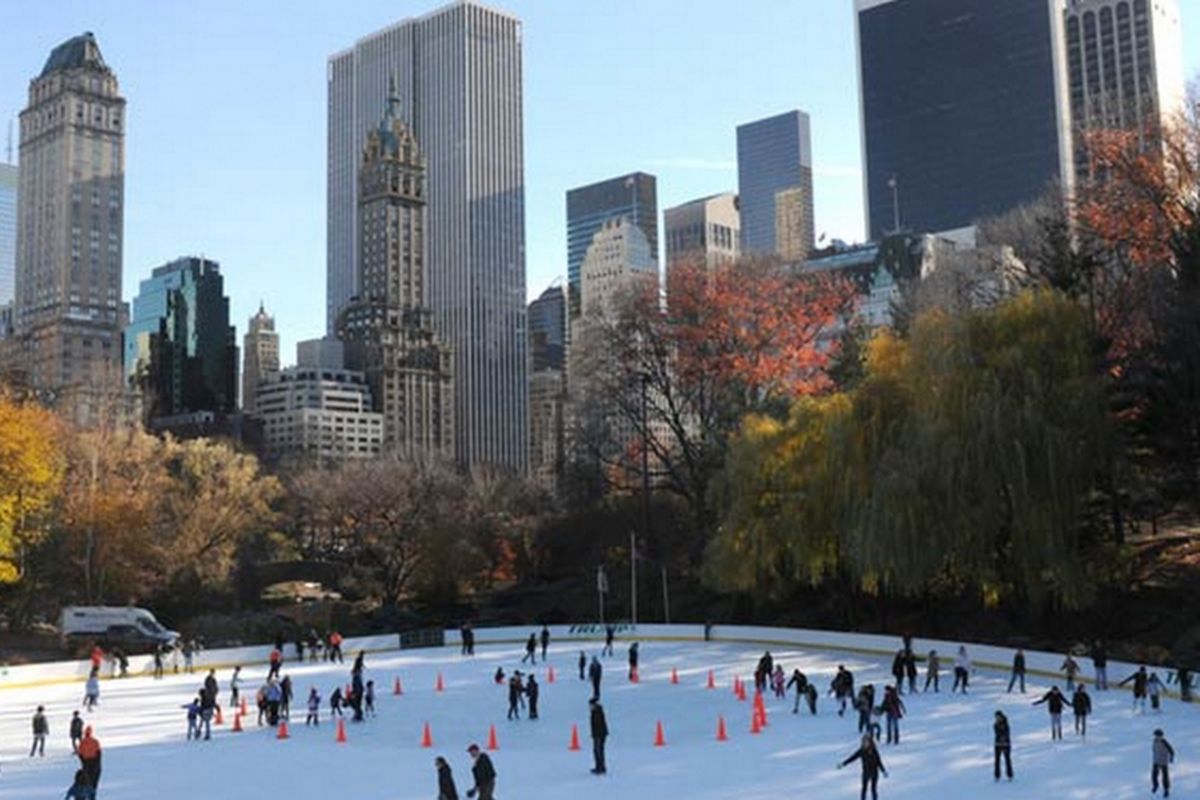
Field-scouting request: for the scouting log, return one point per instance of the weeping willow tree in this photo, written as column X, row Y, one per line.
column 963, row 458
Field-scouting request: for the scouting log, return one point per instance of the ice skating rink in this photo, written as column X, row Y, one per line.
column 946, row 749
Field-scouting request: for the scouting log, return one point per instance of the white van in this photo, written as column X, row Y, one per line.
column 121, row 625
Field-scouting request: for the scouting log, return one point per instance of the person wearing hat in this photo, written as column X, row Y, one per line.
column 89, row 758
column 446, row 788
column 1163, row 755
column 484, row 774
column 599, row 726
column 872, row 765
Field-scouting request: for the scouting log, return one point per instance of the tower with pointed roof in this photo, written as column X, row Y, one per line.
column 260, row 349
column 389, row 329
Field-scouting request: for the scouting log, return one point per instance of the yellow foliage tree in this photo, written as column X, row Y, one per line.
column 31, row 472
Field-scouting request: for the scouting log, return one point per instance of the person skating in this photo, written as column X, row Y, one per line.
column 545, row 641
column 91, row 690
column 779, row 682
column 610, row 633
column 933, row 672
column 872, row 765
column 864, row 704
column 1183, row 677
column 193, row 719
column 842, row 688
column 335, row 703
column 335, row 647
column 531, row 691
column 89, row 758
column 582, row 665
column 299, row 648
column 446, row 788
column 1018, row 671
column 370, row 698
column 810, row 694
column 893, row 710
column 599, row 730
column 41, row 729
column 235, row 687
column 208, row 705
column 210, row 683
column 189, row 655
column 274, row 662
column 314, row 708
column 515, row 690
column 97, row 657
column 1162, row 756
column 467, row 633
column 898, row 670
column 285, row 697
column 962, row 670
column 633, row 661
column 1100, row 665
column 484, row 774
column 800, row 681
column 1081, row 704
column 1054, row 701
column 498, row 678
column 355, row 699
column 1154, row 688
column 1139, row 680
column 530, row 649
column 910, row 669
column 1070, row 668
column 1002, row 741
column 76, row 731
column 274, row 696
column 595, row 673
column 80, row 789
column 158, row 662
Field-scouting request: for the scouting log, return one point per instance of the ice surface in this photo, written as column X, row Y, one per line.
column 946, row 745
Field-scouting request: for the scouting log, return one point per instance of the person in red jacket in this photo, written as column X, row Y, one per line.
column 276, row 662
column 97, row 657
column 89, row 758
column 335, row 647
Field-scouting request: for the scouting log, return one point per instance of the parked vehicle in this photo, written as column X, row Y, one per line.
column 126, row 627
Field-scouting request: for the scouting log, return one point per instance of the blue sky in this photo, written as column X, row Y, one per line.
column 226, row 121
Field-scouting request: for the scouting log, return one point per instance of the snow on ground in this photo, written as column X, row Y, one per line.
column 945, row 751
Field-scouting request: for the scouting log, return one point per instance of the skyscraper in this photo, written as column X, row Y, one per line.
column 458, row 77
column 67, row 311
column 619, row 258
column 960, row 118
column 548, row 329
column 547, row 386
column 774, row 154
column 633, row 197
column 388, row 328
column 180, row 349
column 8, row 231
column 260, row 356
column 706, row 231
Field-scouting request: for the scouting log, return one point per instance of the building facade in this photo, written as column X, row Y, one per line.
column 548, row 330
column 320, row 414
column 706, row 231
column 8, row 232
column 260, row 355
column 458, row 77
column 618, row 259
column 388, row 330
column 774, row 154
column 67, row 312
column 547, row 386
column 180, row 350
column 633, row 197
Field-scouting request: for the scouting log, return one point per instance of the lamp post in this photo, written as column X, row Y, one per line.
column 895, row 187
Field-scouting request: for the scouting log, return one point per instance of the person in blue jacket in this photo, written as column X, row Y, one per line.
column 193, row 719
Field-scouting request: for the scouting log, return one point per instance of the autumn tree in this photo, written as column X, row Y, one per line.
column 31, row 473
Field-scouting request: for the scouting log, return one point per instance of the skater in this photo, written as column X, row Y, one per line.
column 91, row 691
column 468, row 648
column 285, row 698
column 515, row 689
column 933, row 670
column 193, row 719
column 1183, row 677
column 633, row 662
column 842, row 688
column 898, row 670
column 335, row 647
column 1054, row 701
column 595, row 673
column 910, row 669
column 314, row 708
column 208, row 706
column 235, row 685
column 811, row 695
column 499, row 676
column 864, row 704
column 779, row 682
column 582, row 665
column 1081, row 704
column 189, row 653
column 800, row 681
column 1070, row 668
column 274, row 699
column 370, row 698
column 335, row 703
column 299, row 648
column 80, row 789
column 1003, row 746
column 893, row 709
column 599, row 728
column 97, row 657
column 158, row 662
column 1163, row 756
column 962, row 670
column 446, row 788
column 531, row 691
column 484, row 774
column 530, row 650
column 1018, row 671
column 610, row 633
column 260, row 698
column 314, row 646
column 274, row 662
column 1100, row 665
column 872, row 765
column 210, row 683
column 76, row 731
column 41, row 728
column 1139, row 679
column 89, row 758
column 545, row 641
column 1154, row 688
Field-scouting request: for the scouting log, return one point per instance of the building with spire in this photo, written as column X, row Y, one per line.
column 389, row 329
column 260, row 355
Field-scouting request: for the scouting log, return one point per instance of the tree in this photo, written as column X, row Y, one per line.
column 31, row 473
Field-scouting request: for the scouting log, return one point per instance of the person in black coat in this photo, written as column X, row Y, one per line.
column 1003, row 745
column 910, row 670
column 1081, row 704
column 1100, row 665
column 545, row 641
column 610, row 633
column 599, row 726
column 633, row 660
column 446, row 788
column 800, row 681
column 842, row 688
column 1054, row 701
column 898, row 670
column 530, row 649
column 872, row 765
column 484, row 774
column 582, row 665
column 1140, row 680
column 532, row 691
column 1018, row 671
column 515, row 690
column 595, row 672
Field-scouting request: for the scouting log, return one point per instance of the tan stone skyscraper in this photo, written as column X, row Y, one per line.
column 260, row 356
column 389, row 328
column 67, row 314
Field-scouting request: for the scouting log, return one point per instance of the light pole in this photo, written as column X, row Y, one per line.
column 633, row 577
column 895, row 187
column 601, row 589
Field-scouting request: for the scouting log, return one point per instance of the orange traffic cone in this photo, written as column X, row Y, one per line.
column 243, row 706
column 427, row 737
column 397, row 689
column 441, row 685
column 282, row 732
column 220, row 720
column 674, row 676
column 493, row 745
column 237, row 723
column 574, row 738
column 712, row 680
column 722, row 736
column 760, row 708
column 550, row 677
column 341, row 731
column 755, row 725
column 659, row 739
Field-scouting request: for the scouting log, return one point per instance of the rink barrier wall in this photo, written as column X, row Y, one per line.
column 1038, row 663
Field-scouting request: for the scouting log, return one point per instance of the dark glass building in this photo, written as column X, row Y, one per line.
column 180, row 349
column 774, row 160
column 548, row 329
column 958, row 107
column 633, row 196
